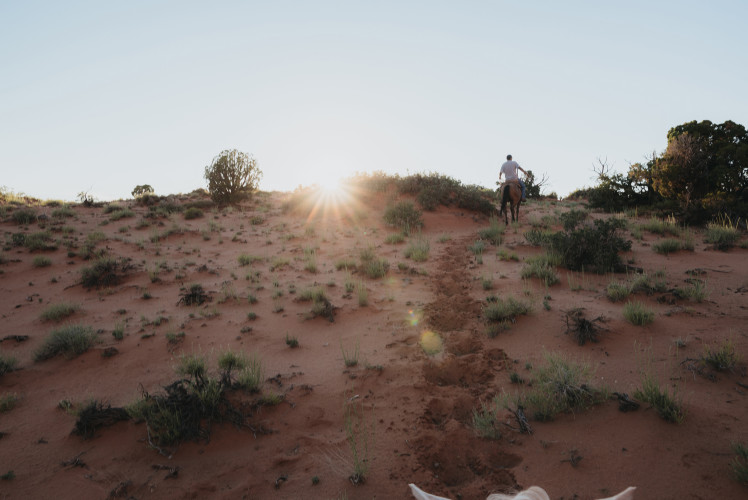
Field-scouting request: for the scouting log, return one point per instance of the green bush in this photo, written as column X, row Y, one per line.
column 251, row 376
column 106, row 271
column 494, row 232
column 122, row 213
column 721, row 357
column 70, row 340
column 232, row 176
column 41, row 240
column 591, row 248
column 403, row 215
column 24, row 216
column 573, row 218
column 722, row 235
column 193, row 213
column 394, row 238
column 505, row 311
column 637, row 313
column 142, row 189
column 62, row 212
column 541, row 268
column 41, row 261
column 7, row 364
column 486, row 421
column 560, row 385
column 539, row 237
column 57, row 312
column 667, row 403
column 739, row 464
column 617, row 291
column 418, row 249
column 8, row 401
column 667, row 246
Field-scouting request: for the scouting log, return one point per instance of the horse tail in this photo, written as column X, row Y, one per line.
column 505, row 197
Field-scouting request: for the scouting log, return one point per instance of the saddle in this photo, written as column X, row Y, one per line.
column 510, row 182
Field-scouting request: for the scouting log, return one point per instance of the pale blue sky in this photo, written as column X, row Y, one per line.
column 102, row 96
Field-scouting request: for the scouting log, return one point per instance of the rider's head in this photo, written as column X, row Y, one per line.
column 508, row 157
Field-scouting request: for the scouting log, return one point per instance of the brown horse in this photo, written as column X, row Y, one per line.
column 512, row 193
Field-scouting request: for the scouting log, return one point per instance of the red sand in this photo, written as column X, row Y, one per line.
column 417, row 407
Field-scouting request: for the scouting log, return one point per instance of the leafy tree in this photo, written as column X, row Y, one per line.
column 231, row 176
column 142, row 189
column 705, row 165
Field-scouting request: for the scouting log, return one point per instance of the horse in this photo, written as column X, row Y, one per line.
column 512, row 193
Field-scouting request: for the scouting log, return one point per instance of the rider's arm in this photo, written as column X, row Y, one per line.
column 522, row 169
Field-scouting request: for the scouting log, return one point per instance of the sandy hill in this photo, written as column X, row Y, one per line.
column 392, row 387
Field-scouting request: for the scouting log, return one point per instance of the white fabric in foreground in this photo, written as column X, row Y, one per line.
column 533, row 493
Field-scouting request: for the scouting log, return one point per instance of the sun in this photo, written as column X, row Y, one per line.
column 331, row 186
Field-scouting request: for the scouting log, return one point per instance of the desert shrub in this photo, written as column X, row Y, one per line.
column 505, row 311
column 187, row 409
column 69, row 340
column 583, row 330
column 637, row 313
column 247, row 259
column 194, row 295
column 503, row 254
column 476, row 199
column 41, row 240
column 62, row 212
column 721, row 356
column 24, row 216
column 251, row 375
column 667, row 403
column 122, row 213
column 722, row 234
column 431, row 197
column 375, row 268
column 560, row 385
column 57, row 312
column 697, row 291
column 591, row 248
column 41, row 261
column 232, row 176
column 538, row 237
column 345, row 263
column 7, row 364
column 371, row 265
column 642, row 283
column 573, row 218
column 739, row 464
column 404, row 215
column 493, row 233
column 96, row 414
column 106, row 271
column 193, row 213
column 662, row 227
column 540, row 268
column 418, row 249
column 477, row 247
column 617, row 291
column 8, row 401
column 142, row 189
column 394, row 238
column 486, row 421
column 667, row 246
column 112, row 207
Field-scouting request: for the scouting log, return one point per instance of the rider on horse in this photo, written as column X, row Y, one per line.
column 509, row 169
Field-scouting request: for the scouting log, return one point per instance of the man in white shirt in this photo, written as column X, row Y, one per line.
column 509, row 170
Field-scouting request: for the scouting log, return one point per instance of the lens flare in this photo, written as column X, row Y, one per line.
column 414, row 317
column 431, row 342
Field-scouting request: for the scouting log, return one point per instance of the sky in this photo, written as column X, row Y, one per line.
column 103, row 96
